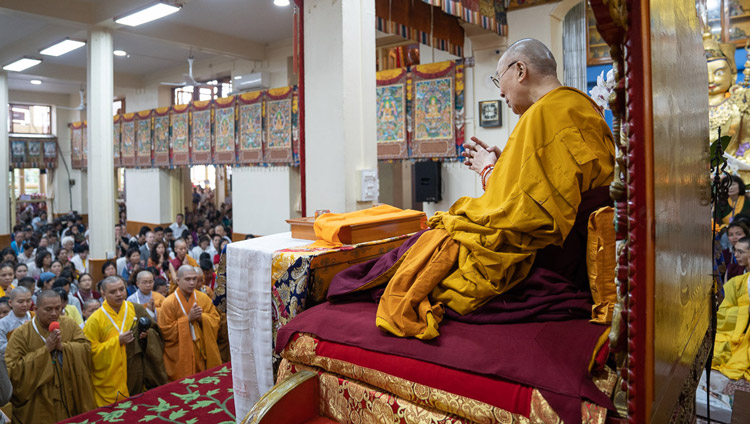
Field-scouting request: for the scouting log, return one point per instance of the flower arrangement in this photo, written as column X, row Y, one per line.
column 603, row 88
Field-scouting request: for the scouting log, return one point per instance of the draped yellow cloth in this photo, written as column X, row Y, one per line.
column 328, row 225
column 732, row 344
column 45, row 391
column 109, row 373
column 184, row 356
column 560, row 148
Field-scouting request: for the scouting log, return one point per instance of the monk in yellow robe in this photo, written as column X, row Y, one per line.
column 483, row 247
column 113, row 329
column 190, row 322
column 49, row 370
column 732, row 343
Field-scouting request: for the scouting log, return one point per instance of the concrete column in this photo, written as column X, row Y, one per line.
column 259, row 200
column 339, row 87
column 5, row 189
column 148, row 198
column 102, row 210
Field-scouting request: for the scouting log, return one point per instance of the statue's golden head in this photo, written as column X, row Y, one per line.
column 722, row 71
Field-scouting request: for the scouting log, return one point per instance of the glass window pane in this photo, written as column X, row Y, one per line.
column 30, row 119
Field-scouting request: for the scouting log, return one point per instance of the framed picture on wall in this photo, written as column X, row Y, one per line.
column 489, row 114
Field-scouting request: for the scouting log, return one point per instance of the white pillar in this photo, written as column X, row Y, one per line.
column 100, row 127
column 5, row 192
column 339, row 88
column 148, row 197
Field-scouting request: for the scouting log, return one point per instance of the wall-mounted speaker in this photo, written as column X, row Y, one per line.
column 427, row 182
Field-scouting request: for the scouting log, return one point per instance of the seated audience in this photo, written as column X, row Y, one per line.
column 89, row 307
column 133, row 259
column 80, row 260
column 67, row 309
column 27, row 256
column 7, row 272
column 109, row 269
column 20, row 304
column 41, row 264
column 4, row 306
column 63, row 284
column 56, row 268
column 49, row 370
column 161, row 286
column 86, row 290
column 21, row 271
column 160, row 260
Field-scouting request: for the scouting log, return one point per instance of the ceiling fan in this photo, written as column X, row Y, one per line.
column 189, row 80
column 81, row 105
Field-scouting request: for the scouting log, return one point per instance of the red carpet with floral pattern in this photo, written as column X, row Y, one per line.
column 204, row 397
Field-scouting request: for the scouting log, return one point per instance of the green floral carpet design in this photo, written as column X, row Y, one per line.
column 204, row 397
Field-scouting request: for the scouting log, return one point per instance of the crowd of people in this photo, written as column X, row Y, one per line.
column 71, row 344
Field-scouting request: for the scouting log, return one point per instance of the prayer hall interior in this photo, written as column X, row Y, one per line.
column 454, row 211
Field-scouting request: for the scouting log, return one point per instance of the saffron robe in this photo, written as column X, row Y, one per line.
column 118, row 370
column 483, row 247
column 109, row 358
column 184, row 356
column 45, row 391
column 732, row 343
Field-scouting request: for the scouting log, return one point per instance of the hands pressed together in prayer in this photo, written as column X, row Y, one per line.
column 478, row 155
column 54, row 341
column 196, row 312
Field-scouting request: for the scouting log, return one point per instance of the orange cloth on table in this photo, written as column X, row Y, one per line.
column 184, row 356
column 328, row 225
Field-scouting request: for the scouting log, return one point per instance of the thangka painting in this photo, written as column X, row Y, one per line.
column 18, row 153
column 278, row 138
column 200, row 132
column 50, row 153
column 224, row 124
column 76, row 144
column 116, row 125
column 34, row 153
column 437, row 110
column 391, row 94
column 127, row 143
column 179, row 139
column 161, row 137
column 250, row 139
column 143, row 138
column 85, row 146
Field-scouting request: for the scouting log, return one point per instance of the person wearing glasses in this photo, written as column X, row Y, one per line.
column 557, row 164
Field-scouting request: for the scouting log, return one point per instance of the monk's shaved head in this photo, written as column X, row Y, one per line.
column 534, row 53
column 185, row 270
column 18, row 291
column 46, row 295
column 109, row 280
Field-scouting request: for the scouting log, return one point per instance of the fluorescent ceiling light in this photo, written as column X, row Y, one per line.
column 238, row 77
column 148, row 14
column 36, row 82
column 22, row 64
column 120, row 53
column 64, row 46
column 281, row 2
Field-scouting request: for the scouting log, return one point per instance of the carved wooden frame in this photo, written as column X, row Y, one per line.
column 624, row 25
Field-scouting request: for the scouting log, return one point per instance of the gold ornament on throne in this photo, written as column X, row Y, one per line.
column 729, row 103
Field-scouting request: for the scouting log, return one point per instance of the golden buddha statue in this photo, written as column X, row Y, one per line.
column 729, row 103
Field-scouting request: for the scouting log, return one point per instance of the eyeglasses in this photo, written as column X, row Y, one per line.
column 496, row 80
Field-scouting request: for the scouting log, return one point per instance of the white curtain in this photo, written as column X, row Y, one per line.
column 574, row 47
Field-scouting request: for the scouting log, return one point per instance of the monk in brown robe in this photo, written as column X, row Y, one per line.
column 49, row 370
column 189, row 322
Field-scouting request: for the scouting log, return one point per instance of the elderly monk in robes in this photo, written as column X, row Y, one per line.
column 181, row 258
column 126, row 355
column 49, row 370
column 732, row 343
column 482, row 247
column 190, row 323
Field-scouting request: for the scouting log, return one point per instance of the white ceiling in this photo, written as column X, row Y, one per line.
column 212, row 30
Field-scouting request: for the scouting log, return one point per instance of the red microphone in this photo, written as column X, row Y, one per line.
column 54, row 325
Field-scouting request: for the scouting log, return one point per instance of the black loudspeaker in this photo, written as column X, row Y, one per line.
column 427, row 183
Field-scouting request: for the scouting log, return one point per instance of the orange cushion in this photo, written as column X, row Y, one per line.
column 601, row 262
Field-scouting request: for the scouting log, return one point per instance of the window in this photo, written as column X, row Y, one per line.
column 118, row 106
column 30, row 119
column 207, row 91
